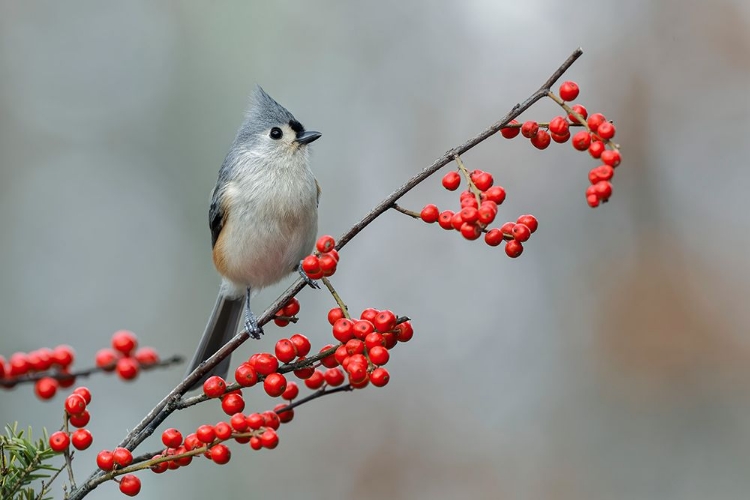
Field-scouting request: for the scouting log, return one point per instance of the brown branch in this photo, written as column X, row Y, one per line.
column 171, row 402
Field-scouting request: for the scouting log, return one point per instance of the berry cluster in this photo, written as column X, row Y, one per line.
column 288, row 313
column 123, row 356
column 78, row 416
column 479, row 207
column 57, row 362
column 596, row 139
column 116, row 459
column 324, row 261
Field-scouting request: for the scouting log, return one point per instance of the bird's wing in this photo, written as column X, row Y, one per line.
column 215, row 217
column 317, row 185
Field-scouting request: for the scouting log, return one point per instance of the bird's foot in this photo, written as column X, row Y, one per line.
column 310, row 282
column 251, row 325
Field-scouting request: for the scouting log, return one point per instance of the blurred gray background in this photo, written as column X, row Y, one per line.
column 611, row 361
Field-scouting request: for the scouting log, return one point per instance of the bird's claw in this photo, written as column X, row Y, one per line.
column 310, row 282
column 253, row 329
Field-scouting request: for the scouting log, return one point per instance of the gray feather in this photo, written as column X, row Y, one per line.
column 222, row 326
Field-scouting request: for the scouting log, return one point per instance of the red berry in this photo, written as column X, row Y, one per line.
column 558, row 125
column 45, row 388
column 429, row 213
column 59, row 441
column 445, row 218
column 601, row 173
column 333, row 377
column 122, row 457
column 513, row 248
column 311, row 264
column 271, row 419
column 63, row 356
column 106, row 359
column 325, row 244
column 581, row 140
column 384, row 321
column 341, row 354
column 124, row 341
column 360, row 384
column 507, row 229
column 493, row 237
column 521, row 233
column 172, row 438
column 596, row 149
column 192, row 442
column 160, row 467
column 75, row 404
column 105, row 460
column 147, row 356
column 40, row 360
column 486, row 213
column 379, row 355
column 379, row 377
column 603, row 190
column 291, row 308
column 304, row 373
column 316, row 381
column 529, row 129
column 285, row 351
column 130, row 485
column 220, row 454
column 510, row 132
column 266, row 363
column 328, row 264
column 374, row 339
column 255, row 443
column 606, row 131
column 369, row 314
column 470, row 231
column 301, row 343
column 330, row 360
column 529, row 221
column 541, row 140
column 610, row 157
column 291, row 391
column 255, row 421
column 469, row 214
column 223, row 430
column 238, row 421
column 482, row 180
column 390, row 340
column 335, row 314
column 343, row 330
column 274, row 384
column 81, row 439
column 205, row 433
column 80, row 420
column 581, row 110
column 496, row 194
column 269, row 439
column 594, row 121
column 362, row 328
column 284, row 416
column 245, row 375
column 457, row 221
column 355, row 346
column 568, row 91
column 560, row 139
column 127, row 368
column 232, row 403
column 404, row 332
column 214, row 386
column 451, row 180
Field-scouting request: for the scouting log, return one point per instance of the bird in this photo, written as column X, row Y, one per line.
column 263, row 218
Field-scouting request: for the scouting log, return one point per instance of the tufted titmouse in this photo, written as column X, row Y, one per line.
column 263, row 218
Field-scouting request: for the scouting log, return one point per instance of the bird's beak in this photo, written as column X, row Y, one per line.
column 307, row 137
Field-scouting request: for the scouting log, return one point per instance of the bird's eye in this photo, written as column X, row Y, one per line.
column 276, row 133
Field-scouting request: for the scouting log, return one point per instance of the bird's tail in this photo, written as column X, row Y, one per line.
column 222, row 326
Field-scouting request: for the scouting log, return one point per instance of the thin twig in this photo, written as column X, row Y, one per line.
column 406, row 211
column 344, row 308
column 171, row 401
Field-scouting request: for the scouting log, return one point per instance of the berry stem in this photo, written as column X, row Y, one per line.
column 472, row 187
column 68, row 456
column 406, row 211
column 337, row 297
